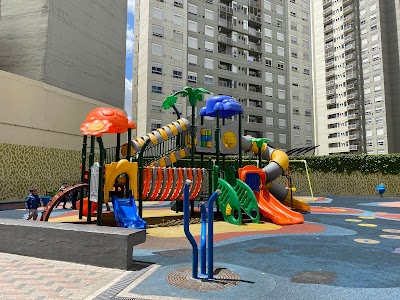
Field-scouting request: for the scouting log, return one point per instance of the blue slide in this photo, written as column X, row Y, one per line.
column 125, row 213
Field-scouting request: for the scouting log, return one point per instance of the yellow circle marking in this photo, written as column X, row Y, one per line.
column 353, row 220
column 368, row 225
column 96, row 125
column 367, row 218
column 229, row 139
column 391, row 230
column 390, row 236
column 367, row 241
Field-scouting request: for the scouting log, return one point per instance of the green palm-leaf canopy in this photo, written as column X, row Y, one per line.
column 259, row 141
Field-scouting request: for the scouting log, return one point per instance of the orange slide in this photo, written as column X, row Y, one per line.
column 274, row 210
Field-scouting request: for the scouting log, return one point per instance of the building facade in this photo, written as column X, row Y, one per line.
column 356, row 76
column 78, row 47
column 256, row 51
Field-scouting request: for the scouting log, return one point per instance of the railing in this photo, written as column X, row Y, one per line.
column 225, row 8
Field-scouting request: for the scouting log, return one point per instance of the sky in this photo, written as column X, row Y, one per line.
column 129, row 58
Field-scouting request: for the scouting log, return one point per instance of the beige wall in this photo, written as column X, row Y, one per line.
column 36, row 114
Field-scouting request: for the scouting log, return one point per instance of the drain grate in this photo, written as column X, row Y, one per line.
column 177, row 252
column 314, row 277
column 263, row 250
column 223, row 279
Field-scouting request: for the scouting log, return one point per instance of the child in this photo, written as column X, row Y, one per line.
column 62, row 188
column 32, row 203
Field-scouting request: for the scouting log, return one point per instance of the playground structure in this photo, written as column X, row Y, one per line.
column 148, row 167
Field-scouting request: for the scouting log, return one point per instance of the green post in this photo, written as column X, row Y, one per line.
column 192, row 135
column 217, row 131
column 118, row 148
column 100, row 195
column 240, row 140
column 83, row 171
column 259, row 157
column 91, row 162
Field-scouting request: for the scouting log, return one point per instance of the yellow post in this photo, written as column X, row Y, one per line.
column 116, row 168
column 308, row 176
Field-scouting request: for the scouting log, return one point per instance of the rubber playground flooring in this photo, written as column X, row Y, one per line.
column 347, row 248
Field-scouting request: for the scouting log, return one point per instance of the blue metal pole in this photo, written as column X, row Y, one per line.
column 186, row 221
column 213, row 197
column 203, row 241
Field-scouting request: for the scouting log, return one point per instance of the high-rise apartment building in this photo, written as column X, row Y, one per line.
column 357, row 76
column 256, row 51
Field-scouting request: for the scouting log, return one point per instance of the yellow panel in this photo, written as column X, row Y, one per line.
column 173, row 129
column 153, row 138
column 182, row 153
column 162, row 162
column 116, row 168
column 172, row 157
column 180, row 121
column 163, row 133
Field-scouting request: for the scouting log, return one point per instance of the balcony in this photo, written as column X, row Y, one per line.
column 225, row 39
column 329, row 37
column 354, row 126
column 351, row 86
column 348, row 27
column 328, row 19
column 353, row 147
column 331, row 101
column 353, row 137
column 350, row 47
column 350, row 56
column 225, row 23
column 348, row 9
column 254, row 32
column 330, row 92
column 352, row 117
column 225, row 8
column 254, row 47
column 255, row 88
column 346, row 2
column 348, row 18
column 254, row 18
column 328, row 54
column 351, row 96
column 328, row 45
column 351, row 75
column 328, row 28
column 330, row 74
column 330, row 83
column 256, row 4
column 349, row 38
column 326, row 3
column 328, row 10
column 350, row 67
column 352, row 106
column 329, row 64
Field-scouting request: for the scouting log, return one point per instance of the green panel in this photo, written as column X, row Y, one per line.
column 247, row 200
column 229, row 197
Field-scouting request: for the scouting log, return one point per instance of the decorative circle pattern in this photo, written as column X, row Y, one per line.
column 367, row 241
column 223, row 279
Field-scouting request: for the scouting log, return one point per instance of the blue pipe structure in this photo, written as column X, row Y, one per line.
column 211, row 201
column 203, row 240
column 189, row 236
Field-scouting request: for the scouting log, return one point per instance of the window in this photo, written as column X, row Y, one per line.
column 281, row 79
column 268, row 76
column 269, row 106
column 304, row 16
column 306, row 44
column 375, row 37
column 156, row 68
column 308, row 126
column 306, row 56
column 192, row 9
column 307, row 112
column 192, row 43
column 294, row 53
column 279, row 9
column 295, row 81
column 293, row 13
column 306, row 71
column 295, row 67
column 280, row 36
column 296, row 110
column 374, row 17
column 192, row 77
column 208, row 14
column 158, row 13
column 380, row 142
column 269, row 121
column 209, row 30
column 156, row 106
column 296, row 124
column 281, row 65
column 156, row 87
column 192, row 26
column 208, row 63
column 267, row 19
column 177, row 3
column 177, row 72
column 374, row 27
column 378, row 88
column 282, row 123
column 268, row 62
column 375, row 57
column 378, row 98
column 293, row 40
column 158, row 31
column 372, row 7
column 379, row 121
column 176, row 88
column 270, row 136
column 282, row 138
column 281, row 51
column 268, row 91
column 377, row 77
column 379, row 109
column 306, row 83
column 281, row 94
column 268, row 32
column 177, row 54
column 208, row 80
column 279, row 23
column 192, row 59
column 293, row 25
column 154, row 124
column 177, row 19
column 306, row 29
column 268, row 47
column 380, row 131
column 208, row 46
column 156, row 49
column 282, row 108
column 267, row 5
column 177, row 36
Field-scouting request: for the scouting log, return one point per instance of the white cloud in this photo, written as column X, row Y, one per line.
column 130, row 38
column 131, row 6
column 128, row 98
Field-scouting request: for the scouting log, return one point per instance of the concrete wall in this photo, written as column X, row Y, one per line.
column 23, row 35
column 86, row 48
